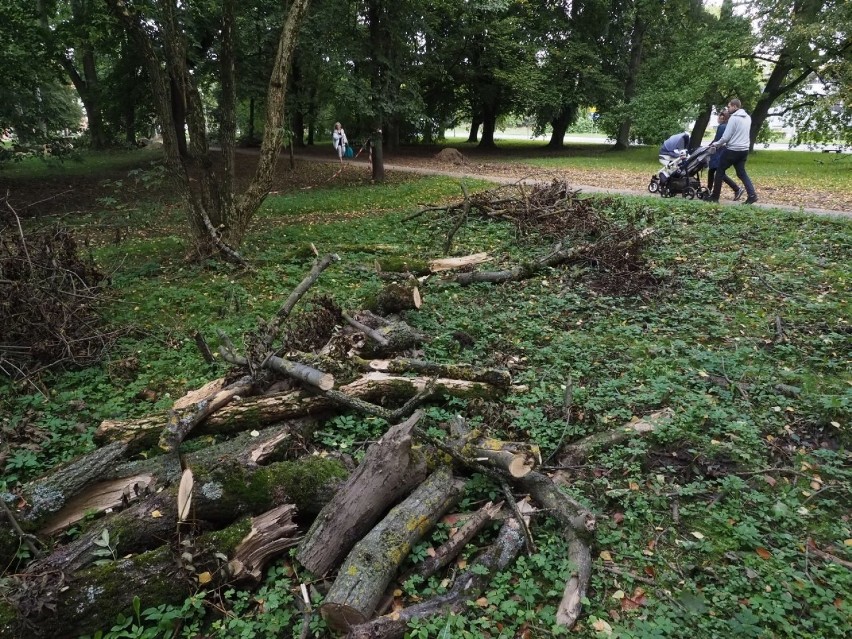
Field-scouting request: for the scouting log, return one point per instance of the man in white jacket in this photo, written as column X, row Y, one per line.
column 736, row 143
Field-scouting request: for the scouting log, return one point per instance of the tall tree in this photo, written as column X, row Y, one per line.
column 800, row 40
column 218, row 216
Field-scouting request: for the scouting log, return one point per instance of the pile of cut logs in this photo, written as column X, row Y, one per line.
column 160, row 526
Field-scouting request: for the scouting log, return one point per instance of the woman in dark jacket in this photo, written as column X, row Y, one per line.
column 717, row 157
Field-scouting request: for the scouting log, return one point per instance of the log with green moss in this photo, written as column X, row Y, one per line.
column 59, row 604
column 467, row 586
column 372, row 563
column 224, row 492
column 388, row 472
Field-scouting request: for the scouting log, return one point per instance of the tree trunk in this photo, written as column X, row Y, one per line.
column 560, row 125
column 700, row 127
column 622, row 139
column 374, row 560
column 387, row 472
column 474, row 130
column 489, row 124
column 378, row 158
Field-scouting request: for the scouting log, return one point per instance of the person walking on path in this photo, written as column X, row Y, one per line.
column 712, row 167
column 338, row 137
column 736, row 141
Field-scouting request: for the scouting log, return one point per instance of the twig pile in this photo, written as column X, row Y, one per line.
column 46, row 296
column 578, row 228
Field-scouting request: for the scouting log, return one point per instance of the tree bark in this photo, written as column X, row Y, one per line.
column 496, row 377
column 622, row 139
column 398, row 296
column 89, row 599
column 371, row 565
column 387, row 472
column 466, row 587
column 567, row 116
column 700, row 127
column 254, row 412
column 223, row 493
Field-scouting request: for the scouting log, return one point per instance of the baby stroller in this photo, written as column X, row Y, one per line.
column 681, row 172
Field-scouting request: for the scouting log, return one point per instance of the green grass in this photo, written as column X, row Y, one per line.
column 724, row 276
column 80, row 163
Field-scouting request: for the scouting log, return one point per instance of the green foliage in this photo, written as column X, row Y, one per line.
column 716, row 508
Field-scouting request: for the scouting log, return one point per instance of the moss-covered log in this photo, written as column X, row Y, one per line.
column 255, row 412
column 58, row 604
column 388, row 472
column 398, row 296
column 466, row 587
column 368, row 569
column 224, row 492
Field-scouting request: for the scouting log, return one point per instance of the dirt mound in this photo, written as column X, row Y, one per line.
column 451, row 156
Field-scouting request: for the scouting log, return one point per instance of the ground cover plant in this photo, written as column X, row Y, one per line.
column 733, row 519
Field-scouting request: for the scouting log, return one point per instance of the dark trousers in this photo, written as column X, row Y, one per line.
column 736, row 159
column 711, row 174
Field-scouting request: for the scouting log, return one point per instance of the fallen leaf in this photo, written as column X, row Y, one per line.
column 633, row 485
column 462, row 564
column 482, row 602
column 838, row 603
column 697, row 534
column 816, row 485
column 763, row 553
column 847, row 542
column 770, row 480
column 431, row 551
column 605, row 555
column 649, row 570
column 205, row 578
column 602, row 626
column 618, row 594
column 156, row 514
column 618, row 518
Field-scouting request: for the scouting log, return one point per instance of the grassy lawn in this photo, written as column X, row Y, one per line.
column 79, row 163
column 704, row 526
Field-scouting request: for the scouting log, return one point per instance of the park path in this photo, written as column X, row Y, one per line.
column 461, row 172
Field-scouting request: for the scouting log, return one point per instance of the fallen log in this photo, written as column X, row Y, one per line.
column 515, row 458
column 388, row 472
column 59, row 604
column 254, row 412
column 451, row 548
column 302, row 372
column 397, row 296
column 467, row 586
column 577, row 525
column 369, row 567
column 496, row 377
column 192, row 409
column 578, row 452
column 225, row 491
column 47, row 495
column 425, row 267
